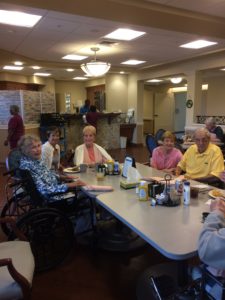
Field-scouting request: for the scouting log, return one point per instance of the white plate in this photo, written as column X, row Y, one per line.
column 214, row 197
column 72, row 170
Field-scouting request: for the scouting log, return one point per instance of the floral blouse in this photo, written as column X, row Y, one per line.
column 46, row 181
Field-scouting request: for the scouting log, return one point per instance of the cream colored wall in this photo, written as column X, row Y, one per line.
column 215, row 98
column 148, row 105
column 116, row 92
column 75, row 88
column 13, row 77
column 94, row 82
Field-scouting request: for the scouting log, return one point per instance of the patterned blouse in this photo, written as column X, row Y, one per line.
column 46, row 181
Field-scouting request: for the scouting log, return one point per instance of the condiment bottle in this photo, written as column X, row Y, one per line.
column 186, row 193
column 110, row 167
column 143, row 191
column 116, row 170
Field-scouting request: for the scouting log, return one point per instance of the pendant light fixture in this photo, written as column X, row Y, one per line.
column 176, row 80
column 95, row 68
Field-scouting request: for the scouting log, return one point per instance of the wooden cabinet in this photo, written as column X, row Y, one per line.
column 127, row 130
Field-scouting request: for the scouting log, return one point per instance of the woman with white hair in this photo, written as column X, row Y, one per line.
column 90, row 153
column 46, row 181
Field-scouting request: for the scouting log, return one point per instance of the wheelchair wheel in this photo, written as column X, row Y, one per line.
column 15, row 207
column 50, row 233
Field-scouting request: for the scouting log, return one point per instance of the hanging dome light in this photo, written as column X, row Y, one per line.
column 95, row 68
column 176, row 80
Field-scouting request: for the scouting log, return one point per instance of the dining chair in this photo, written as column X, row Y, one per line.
column 150, row 143
column 16, row 266
column 158, row 135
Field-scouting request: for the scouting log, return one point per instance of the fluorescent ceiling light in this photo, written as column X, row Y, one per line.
column 42, row 74
column 198, row 44
column 124, row 34
column 80, row 78
column 69, row 70
column 133, row 62
column 222, row 69
column 154, row 80
column 18, row 63
column 176, row 80
column 74, row 57
column 17, row 18
column 14, row 68
column 36, row 67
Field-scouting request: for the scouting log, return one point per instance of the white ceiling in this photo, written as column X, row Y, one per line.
column 59, row 33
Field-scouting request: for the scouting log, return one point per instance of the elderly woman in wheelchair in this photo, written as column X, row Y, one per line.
column 55, row 211
column 46, row 181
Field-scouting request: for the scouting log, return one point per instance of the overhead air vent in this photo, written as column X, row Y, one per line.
column 108, row 43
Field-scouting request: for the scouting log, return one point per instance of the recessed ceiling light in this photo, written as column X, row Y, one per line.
column 133, row 62
column 122, row 72
column 154, row 80
column 124, row 34
column 18, row 18
column 222, row 69
column 80, row 78
column 176, row 80
column 42, row 74
column 69, row 70
column 74, row 57
column 198, row 44
column 18, row 63
column 13, row 68
column 36, row 67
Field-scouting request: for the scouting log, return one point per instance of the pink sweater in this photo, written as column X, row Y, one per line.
column 161, row 160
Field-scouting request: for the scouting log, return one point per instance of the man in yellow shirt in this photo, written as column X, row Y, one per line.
column 203, row 161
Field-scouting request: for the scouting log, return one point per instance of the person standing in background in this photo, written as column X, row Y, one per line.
column 92, row 116
column 15, row 128
column 86, row 107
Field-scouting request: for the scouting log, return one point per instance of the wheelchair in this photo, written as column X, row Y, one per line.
column 48, row 223
column 164, row 287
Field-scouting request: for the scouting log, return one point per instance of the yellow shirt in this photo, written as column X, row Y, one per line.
column 197, row 165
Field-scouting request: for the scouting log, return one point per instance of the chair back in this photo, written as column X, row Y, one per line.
column 150, row 143
column 158, row 135
column 13, row 159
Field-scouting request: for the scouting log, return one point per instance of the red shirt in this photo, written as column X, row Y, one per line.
column 15, row 126
column 92, row 118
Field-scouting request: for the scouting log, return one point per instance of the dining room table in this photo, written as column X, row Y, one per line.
column 173, row 231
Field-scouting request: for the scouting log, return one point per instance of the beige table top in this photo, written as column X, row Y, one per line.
column 173, row 231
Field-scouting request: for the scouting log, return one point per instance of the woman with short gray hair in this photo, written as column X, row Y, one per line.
column 46, row 181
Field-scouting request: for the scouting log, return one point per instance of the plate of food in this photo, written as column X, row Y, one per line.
column 72, row 170
column 216, row 193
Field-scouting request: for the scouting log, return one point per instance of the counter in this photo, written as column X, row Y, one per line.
column 108, row 130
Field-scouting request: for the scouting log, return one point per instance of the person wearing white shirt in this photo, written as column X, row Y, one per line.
column 51, row 149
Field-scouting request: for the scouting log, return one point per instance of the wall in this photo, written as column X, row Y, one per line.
column 215, row 96
column 116, row 92
column 75, row 88
column 148, row 104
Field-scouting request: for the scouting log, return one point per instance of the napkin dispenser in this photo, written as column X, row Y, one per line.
column 132, row 180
